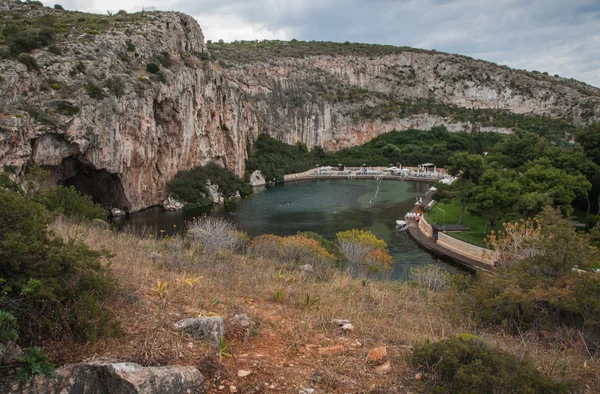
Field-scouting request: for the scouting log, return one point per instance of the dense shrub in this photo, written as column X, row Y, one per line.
column 190, row 186
column 552, row 285
column 29, row 62
column 164, row 58
column 152, row 68
column 69, row 202
column 93, row 90
column 66, row 108
column 52, row 287
column 468, row 365
column 116, row 86
column 58, row 7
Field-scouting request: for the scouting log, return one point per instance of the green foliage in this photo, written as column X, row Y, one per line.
column 55, row 49
column 34, row 363
column 330, row 246
column 161, row 76
column 164, row 58
column 256, row 51
column 58, row 7
column 550, row 284
column 79, row 68
column 52, row 287
column 93, row 90
column 467, row 364
column 69, row 202
column 115, row 85
column 495, row 196
column 29, row 62
column 190, row 185
column 152, row 68
column 66, row 108
column 8, row 327
column 130, row 46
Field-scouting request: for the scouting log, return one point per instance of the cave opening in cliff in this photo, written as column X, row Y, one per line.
column 104, row 187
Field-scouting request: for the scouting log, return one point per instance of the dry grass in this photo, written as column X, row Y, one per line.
column 282, row 349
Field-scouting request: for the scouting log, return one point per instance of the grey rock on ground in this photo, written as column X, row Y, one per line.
column 205, row 328
column 242, row 321
column 101, row 377
column 9, row 353
column 306, row 268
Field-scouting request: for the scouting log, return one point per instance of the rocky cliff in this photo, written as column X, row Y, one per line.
column 116, row 105
column 90, row 112
column 340, row 95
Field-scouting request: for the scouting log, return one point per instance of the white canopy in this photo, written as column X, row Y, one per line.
column 428, row 165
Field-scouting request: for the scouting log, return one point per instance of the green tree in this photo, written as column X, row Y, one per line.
column 495, row 196
column 542, row 184
column 52, row 287
column 468, row 168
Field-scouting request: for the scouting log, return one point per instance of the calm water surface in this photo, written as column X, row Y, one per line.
column 323, row 206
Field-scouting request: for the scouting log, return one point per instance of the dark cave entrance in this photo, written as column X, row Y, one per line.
column 104, row 187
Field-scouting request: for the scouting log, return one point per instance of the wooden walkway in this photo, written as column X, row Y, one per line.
column 431, row 246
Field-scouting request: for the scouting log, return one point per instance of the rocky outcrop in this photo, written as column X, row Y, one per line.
column 171, row 204
column 116, row 378
column 257, row 179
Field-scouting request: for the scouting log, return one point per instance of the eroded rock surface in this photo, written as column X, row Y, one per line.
column 103, row 377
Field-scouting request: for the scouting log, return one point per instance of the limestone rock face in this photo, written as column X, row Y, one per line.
column 123, row 147
column 170, row 204
column 116, row 378
column 213, row 192
column 293, row 94
column 257, row 179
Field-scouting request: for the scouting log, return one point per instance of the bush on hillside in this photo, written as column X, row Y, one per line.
column 552, row 283
column 67, row 201
column 467, row 364
column 215, row 235
column 364, row 253
column 190, row 185
column 53, row 287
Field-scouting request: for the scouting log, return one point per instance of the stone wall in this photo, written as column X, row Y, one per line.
column 425, row 227
column 477, row 253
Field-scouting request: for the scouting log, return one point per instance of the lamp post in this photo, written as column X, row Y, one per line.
column 444, row 212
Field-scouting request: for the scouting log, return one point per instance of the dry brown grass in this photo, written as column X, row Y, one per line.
column 283, row 347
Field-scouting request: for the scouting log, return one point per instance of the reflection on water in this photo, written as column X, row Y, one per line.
column 323, row 206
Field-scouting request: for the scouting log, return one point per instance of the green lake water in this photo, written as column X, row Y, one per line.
column 323, row 206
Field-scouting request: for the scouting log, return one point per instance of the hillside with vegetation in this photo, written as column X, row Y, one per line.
column 336, row 327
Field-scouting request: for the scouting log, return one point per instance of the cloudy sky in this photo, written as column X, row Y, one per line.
column 558, row 36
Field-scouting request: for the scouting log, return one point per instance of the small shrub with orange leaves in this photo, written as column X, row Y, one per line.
column 364, row 252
